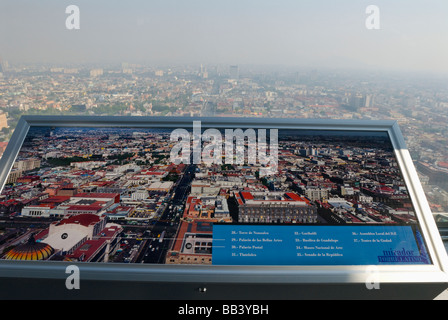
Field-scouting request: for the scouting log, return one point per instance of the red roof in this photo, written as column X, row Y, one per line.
column 443, row 164
column 85, row 219
column 90, row 247
column 191, row 227
column 42, row 234
column 56, row 199
column 247, row 195
column 296, row 197
column 44, row 205
column 238, row 198
column 386, row 189
column 84, row 208
column 151, row 172
column 96, row 195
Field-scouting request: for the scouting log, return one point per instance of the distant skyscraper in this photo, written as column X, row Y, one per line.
column 234, row 72
column 96, row 72
column 369, row 100
column 203, row 72
column 356, row 100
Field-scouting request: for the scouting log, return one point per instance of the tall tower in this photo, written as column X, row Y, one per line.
column 234, row 72
column 3, row 65
column 203, row 72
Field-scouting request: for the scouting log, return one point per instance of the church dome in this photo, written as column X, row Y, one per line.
column 31, row 250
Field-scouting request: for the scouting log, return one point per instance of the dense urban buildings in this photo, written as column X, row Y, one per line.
column 114, row 194
column 419, row 105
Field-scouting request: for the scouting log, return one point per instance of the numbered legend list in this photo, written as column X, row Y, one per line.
column 313, row 245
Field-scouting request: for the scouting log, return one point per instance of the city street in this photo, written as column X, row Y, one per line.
column 164, row 230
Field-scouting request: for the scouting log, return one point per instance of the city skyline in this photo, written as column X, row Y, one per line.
column 238, row 91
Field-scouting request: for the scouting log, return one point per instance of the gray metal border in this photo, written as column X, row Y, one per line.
column 239, row 275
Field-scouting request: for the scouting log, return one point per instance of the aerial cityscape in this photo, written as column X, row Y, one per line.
column 240, row 91
column 114, row 194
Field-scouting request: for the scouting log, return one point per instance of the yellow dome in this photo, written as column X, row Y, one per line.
column 31, row 250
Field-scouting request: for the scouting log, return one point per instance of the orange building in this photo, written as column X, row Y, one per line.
column 193, row 243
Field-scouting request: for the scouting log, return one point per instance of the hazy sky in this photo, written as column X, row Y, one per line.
column 310, row 33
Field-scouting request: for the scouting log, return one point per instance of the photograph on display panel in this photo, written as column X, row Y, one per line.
column 204, row 196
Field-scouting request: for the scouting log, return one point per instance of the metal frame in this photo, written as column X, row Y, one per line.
column 237, row 275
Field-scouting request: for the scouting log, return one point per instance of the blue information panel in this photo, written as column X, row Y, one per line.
column 317, row 245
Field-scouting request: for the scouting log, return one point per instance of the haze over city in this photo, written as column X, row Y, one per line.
column 299, row 59
column 312, row 34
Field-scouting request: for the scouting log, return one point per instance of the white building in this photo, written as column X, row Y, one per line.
column 36, row 211
column 316, row 194
column 69, row 233
column 139, row 195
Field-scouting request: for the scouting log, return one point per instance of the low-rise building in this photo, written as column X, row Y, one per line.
column 274, row 207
